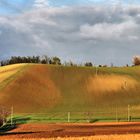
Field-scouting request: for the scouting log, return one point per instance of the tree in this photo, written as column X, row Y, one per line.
column 45, row 59
column 88, row 64
column 55, row 60
column 136, row 60
column 2, row 63
column 127, row 65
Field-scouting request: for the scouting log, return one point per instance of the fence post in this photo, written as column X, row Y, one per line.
column 3, row 116
column 128, row 113
column 116, row 114
column 68, row 117
column 96, row 70
column 12, row 111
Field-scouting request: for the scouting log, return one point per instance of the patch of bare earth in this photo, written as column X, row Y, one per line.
column 71, row 130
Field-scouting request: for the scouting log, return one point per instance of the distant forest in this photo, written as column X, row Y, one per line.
column 40, row 60
column 55, row 61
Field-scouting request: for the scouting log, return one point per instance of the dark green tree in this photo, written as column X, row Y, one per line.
column 88, row 64
column 55, row 60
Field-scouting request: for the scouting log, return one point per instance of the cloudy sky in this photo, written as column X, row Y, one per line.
column 100, row 31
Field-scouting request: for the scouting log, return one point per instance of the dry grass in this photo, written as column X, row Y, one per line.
column 104, row 137
column 111, row 137
column 110, row 83
column 61, row 89
column 8, row 71
column 33, row 87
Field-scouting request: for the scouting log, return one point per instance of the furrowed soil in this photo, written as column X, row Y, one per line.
column 71, row 130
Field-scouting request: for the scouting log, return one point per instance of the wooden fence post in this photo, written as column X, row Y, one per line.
column 68, row 117
column 12, row 112
column 128, row 113
column 116, row 114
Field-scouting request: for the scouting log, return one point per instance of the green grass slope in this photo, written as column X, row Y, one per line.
column 45, row 88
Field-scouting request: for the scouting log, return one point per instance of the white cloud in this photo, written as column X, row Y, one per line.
column 41, row 3
column 77, row 33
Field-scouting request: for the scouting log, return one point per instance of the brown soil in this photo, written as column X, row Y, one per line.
column 71, row 130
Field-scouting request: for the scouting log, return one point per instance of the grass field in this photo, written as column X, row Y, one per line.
column 7, row 73
column 111, row 137
column 36, row 88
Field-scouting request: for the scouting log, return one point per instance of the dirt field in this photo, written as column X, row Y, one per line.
column 71, row 130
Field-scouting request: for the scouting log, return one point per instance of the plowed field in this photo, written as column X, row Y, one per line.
column 71, row 130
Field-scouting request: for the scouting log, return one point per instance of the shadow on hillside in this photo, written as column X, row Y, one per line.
column 15, row 133
column 21, row 120
column 16, row 122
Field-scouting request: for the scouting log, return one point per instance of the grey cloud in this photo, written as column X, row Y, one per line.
column 90, row 33
column 109, row 31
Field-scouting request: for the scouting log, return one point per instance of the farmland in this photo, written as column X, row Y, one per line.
column 41, row 94
column 47, row 88
column 54, row 89
column 97, row 131
column 7, row 73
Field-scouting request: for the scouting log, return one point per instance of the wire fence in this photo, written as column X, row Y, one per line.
column 125, row 115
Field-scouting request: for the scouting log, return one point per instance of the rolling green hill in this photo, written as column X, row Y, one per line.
column 48, row 88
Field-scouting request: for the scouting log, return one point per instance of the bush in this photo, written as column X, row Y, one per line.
column 55, row 61
column 88, row 64
column 136, row 60
column 4, row 113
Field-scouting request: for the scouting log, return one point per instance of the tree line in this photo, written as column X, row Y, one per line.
column 40, row 60
column 31, row 59
column 54, row 61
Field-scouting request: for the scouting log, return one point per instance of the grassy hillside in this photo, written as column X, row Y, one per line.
column 38, row 88
column 8, row 73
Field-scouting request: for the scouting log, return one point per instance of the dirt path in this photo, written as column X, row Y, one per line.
column 71, row 130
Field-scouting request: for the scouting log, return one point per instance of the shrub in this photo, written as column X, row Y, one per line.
column 88, row 64
column 4, row 113
column 136, row 60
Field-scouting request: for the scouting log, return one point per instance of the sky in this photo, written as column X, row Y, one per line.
column 97, row 31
